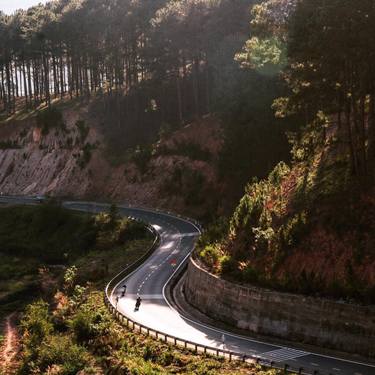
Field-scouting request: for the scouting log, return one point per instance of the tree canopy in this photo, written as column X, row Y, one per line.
column 77, row 47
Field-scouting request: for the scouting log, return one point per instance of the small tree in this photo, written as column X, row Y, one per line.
column 70, row 278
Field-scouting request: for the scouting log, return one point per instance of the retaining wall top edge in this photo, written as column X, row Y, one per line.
column 279, row 295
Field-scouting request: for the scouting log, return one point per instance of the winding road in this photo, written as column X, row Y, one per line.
column 177, row 239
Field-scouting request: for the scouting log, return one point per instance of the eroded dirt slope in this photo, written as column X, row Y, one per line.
column 32, row 163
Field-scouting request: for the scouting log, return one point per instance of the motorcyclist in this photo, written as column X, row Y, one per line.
column 138, row 303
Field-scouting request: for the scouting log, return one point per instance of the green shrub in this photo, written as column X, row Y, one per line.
column 36, row 326
column 114, row 230
column 278, row 174
column 249, row 275
column 150, row 352
column 85, row 155
column 167, row 358
column 210, row 255
column 84, row 326
column 228, row 265
column 294, row 229
column 60, row 350
column 50, row 118
column 141, row 158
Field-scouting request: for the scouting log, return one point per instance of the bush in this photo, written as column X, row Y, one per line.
column 36, row 325
column 210, row 255
column 228, row 265
column 249, row 275
column 113, row 230
column 167, row 358
column 50, row 118
column 141, row 158
column 85, row 155
column 129, row 230
column 83, row 326
column 60, row 350
column 89, row 323
column 215, row 232
column 150, row 352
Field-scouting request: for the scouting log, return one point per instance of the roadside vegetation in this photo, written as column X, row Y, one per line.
column 309, row 227
column 76, row 333
column 39, row 242
column 66, row 328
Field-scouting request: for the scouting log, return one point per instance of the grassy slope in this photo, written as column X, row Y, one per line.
column 85, row 337
column 74, row 331
column 38, row 243
column 307, row 229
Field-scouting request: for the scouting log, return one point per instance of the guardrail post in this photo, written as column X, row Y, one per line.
column 316, row 372
column 166, row 338
column 244, row 358
column 300, row 370
column 286, row 368
column 205, row 350
column 196, row 348
column 185, row 344
column 230, row 356
column 217, row 352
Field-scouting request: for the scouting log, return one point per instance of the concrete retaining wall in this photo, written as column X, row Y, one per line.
column 316, row 321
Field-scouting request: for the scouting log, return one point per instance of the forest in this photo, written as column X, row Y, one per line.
column 171, row 61
column 77, row 48
column 147, row 67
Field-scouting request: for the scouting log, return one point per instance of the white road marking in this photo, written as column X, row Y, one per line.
column 283, row 354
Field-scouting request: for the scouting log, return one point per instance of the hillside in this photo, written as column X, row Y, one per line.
column 71, row 160
column 166, row 116
column 308, row 228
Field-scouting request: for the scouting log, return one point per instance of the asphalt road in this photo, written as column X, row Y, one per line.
column 149, row 281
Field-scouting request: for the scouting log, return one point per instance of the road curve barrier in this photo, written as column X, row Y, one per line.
column 177, row 341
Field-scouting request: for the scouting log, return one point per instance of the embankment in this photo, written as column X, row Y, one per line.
column 330, row 324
